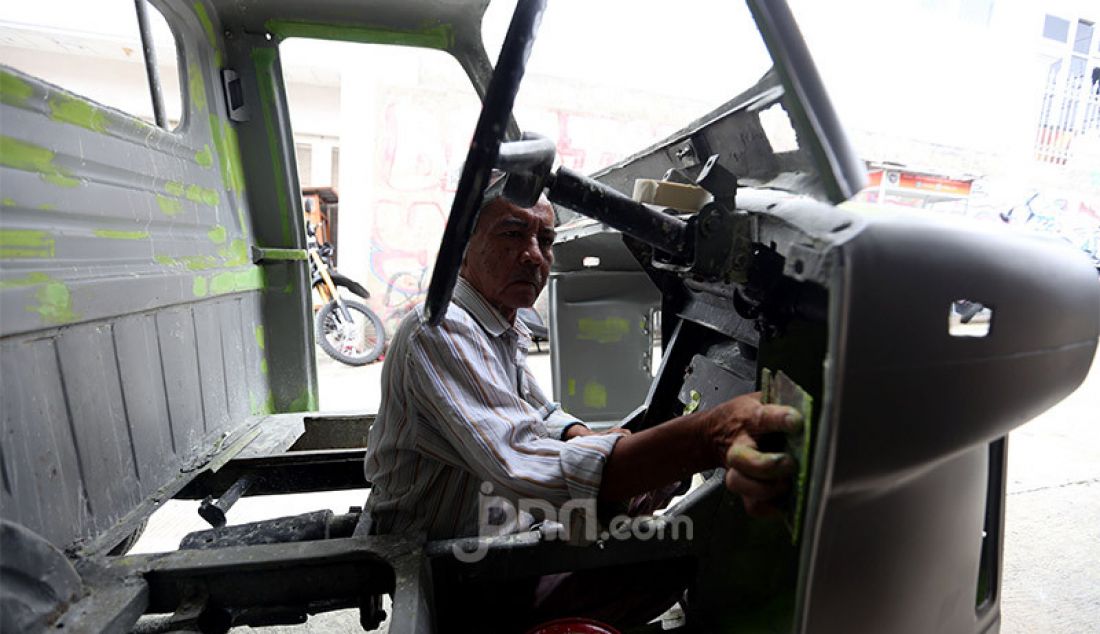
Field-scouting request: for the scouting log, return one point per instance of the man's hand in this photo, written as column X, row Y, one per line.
column 578, row 429
column 758, row 477
column 726, row 435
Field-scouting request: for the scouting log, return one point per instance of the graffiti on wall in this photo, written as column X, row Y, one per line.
column 423, row 144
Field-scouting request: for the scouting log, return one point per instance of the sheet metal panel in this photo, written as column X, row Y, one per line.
column 129, row 306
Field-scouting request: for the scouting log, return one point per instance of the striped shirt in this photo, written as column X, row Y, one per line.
column 460, row 408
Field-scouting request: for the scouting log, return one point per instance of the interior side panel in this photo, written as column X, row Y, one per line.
column 129, row 300
column 97, row 415
column 46, row 486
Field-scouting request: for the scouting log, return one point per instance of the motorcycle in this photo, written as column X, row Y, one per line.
column 347, row 330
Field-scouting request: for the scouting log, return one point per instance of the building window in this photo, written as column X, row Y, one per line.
column 1083, row 38
column 1055, row 28
column 1071, row 104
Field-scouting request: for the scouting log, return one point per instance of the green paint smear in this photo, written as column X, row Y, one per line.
column 121, row 235
column 264, row 60
column 440, row 36
column 236, row 254
column 169, row 206
column 198, row 287
column 203, row 195
column 217, row 235
column 259, row 334
column 55, row 304
column 9, row 202
column 31, row 279
column 205, row 157
column 199, row 262
column 196, row 87
column 175, row 188
column 305, row 402
column 608, row 330
column 263, row 366
column 572, row 389
column 47, row 207
column 595, row 395
column 208, row 28
column 296, row 255
column 77, row 112
column 25, row 243
column 13, row 90
column 32, row 158
column 236, row 282
column 228, row 150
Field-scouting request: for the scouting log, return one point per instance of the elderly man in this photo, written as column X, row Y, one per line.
column 461, row 414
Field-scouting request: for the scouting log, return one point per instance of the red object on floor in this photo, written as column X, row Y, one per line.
column 573, row 626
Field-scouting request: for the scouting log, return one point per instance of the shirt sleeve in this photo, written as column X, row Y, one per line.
column 487, row 428
column 556, row 419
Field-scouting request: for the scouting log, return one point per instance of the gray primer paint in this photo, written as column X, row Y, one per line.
column 129, row 308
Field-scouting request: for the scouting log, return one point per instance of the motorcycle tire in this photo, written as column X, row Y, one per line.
column 366, row 342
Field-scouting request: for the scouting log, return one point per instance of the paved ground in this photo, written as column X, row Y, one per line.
column 1052, row 547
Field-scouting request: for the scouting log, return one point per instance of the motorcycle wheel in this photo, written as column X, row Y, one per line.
column 356, row 343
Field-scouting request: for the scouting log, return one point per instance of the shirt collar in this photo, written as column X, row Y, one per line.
column 467, row 297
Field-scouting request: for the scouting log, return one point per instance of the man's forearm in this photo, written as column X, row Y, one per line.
column 657, row 456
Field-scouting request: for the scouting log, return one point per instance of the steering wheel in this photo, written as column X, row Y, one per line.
column 496, row 111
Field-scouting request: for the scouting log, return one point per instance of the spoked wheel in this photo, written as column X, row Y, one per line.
column 496, row 113
column 356, row 337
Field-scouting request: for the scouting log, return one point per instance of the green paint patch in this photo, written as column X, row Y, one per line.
column 439, row 36
column 77, row 112
column 174, row 188
column 205, row 157
column 228, row 151
column 196, row 87
column 237, row 281
column 32, row 279
column 217, row 235
column 199, row 287
column 55, row 304
column 263, row 366
column 609, row 330
column 211, row 34
column 306, row 402
column 169, row 206
column 32, row 158
column 258, row 332
column 236, row 254
column 46, row 207
column 13, row 90
column 572, row 389
column 121, row 235
column 9, row 202
column 199, row 262
column 25, row 243
column 203, row 195
column 595, row 395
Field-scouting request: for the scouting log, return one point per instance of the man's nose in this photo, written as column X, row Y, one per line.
column 532, row 252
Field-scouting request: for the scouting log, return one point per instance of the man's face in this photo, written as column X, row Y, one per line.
column 509, row 255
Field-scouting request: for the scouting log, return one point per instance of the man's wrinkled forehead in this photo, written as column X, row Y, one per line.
column 502, row 213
